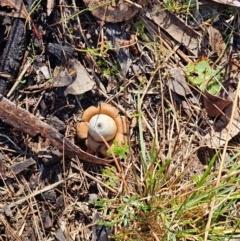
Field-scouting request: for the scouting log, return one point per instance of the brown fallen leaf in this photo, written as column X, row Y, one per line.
column 219, row 132
column 177, row 82
column 215, row 40
column 73, row 75
column 213, row 104
column 18, row 5
column 113, row 12
column 177, row 29
column 28, row 123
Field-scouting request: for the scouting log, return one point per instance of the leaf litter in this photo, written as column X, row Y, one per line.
column 154, row 65
column 73, row 75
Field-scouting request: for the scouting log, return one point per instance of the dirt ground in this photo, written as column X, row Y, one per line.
column 57, row 58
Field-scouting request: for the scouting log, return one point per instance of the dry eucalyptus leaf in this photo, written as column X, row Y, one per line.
column 177, row 82
column 113, row 11
column 73, row 75
column 214, row 105
column 61, row 77
column 219, row 133
column 215, row 40
column 176, row 28
column 18, row 5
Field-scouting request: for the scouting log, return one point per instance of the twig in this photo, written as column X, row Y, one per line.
column 12, row 232
column 28, row 123
column 13, row 204
column 11, row 142
column 134, row 4
column 18, row 80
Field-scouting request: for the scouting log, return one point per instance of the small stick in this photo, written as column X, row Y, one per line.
column 28, row 123
column 134, row 4
column 35, row 193
column 27, row 65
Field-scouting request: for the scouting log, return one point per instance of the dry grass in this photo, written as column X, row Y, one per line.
column 171, row 185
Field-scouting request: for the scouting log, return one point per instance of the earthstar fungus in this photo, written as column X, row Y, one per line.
column 101, row 122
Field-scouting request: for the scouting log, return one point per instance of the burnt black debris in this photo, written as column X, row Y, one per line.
column 58, row 50
column 11, row 58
